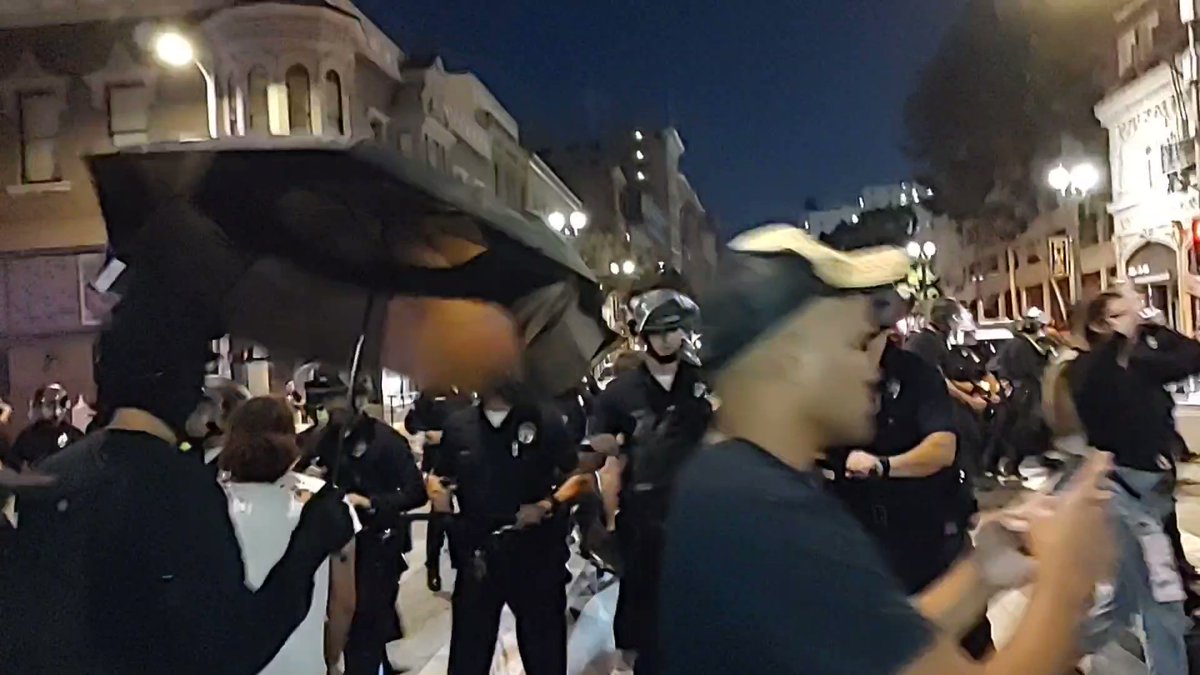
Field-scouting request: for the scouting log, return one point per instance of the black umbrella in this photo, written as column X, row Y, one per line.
column 304, row 245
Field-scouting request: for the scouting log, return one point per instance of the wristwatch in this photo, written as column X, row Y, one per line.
column 885, row 467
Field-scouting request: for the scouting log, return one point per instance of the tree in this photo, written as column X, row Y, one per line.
column 1008, row 83
column 881, row 227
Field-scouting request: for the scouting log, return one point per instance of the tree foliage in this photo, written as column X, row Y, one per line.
column 1008, row 83
column 880, row 227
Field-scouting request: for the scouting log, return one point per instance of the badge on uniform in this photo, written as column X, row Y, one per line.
column 1151, row 342
column 893, row 388
column 526, row 433
column 62, row 441
column 699, row 390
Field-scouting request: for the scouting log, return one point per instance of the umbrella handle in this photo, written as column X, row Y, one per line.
column 355, row 365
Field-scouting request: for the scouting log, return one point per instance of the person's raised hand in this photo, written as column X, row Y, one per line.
column 1073, row 544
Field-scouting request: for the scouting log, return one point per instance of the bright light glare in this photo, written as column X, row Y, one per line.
column 641, row 176
column 614, row 267
column 579, row 220
column 1060, row 178
column 640, row 155
column 628, row 267
column 914, row 249
column 557, row 221
column 929, row 249
column 1084, row 177
column 854, row 218
column 637, row 136
column 174, row 49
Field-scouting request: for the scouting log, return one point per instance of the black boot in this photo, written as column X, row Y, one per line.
column 433, row 579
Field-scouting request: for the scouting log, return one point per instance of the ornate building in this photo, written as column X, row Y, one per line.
column 77, row 76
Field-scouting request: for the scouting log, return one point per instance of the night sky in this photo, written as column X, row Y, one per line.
column 776, row 100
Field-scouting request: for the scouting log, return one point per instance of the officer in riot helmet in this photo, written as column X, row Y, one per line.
column 514, row 468
column 1021, row 363
column 50, row 429
column 652, row 418
column 377, row 470
column 206, row 426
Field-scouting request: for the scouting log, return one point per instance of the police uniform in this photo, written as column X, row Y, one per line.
column 661, row 427
column 919, row 523
column 42, row 439
column 429, row 413
column 378, row 464
column 499, row 469
column 1023, row 433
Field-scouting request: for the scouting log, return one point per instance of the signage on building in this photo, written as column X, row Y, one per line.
column 1060, row 257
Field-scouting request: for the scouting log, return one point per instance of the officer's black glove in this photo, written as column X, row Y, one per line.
column 325, row 526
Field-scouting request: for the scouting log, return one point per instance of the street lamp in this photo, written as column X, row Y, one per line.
column 176, row 50
column 929, row 249
column 614, row 268
column 1073, row 186
column 913, row 249
column 578, row 220
column 557, row 221
column 628, row 267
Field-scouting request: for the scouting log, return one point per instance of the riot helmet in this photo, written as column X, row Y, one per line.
column 665, row 320
column 50, row 403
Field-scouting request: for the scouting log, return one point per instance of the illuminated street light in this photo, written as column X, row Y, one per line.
column 1084, row 178
column 929, row 249
column 640, row 155
column 1060, row 178
column 641, row 176
column 637, row 136
column 557, row 221
column 174, row 49
column 579, row 220
column 628, row 267
column 614, row 268
column 913, row 249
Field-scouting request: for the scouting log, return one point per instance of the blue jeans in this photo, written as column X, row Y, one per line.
column 1164, row 624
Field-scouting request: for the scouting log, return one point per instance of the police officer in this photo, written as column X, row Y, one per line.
column 206, row 426
column 1021, row 363
column 652, row 417
column 904, row 487
column 50, row 429
column 428, row 417
column 380, row 476
column 512, row 462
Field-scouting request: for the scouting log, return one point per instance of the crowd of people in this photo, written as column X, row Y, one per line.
column 796, row 493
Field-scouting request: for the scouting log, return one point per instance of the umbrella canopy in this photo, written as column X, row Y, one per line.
column 301, row 245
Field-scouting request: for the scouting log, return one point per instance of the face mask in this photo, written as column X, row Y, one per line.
column 322, row 417
column 496, row 417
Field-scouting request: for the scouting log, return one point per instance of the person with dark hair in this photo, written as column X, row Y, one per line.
column 265, row 502
column 207, row 424
column 652, row 418
column 377, row 469
column 1023, row 432
column 765, row 571
column 514, row 467
column 128, row 563
column 1117, row 387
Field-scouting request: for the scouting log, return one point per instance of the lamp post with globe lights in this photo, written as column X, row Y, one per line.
column 1073, row 186
column 174, row 49
column 569, row 225
column 921, row 284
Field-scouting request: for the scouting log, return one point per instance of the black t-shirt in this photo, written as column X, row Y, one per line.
column 129, row 564
column 766, row 573
column 1124, row 409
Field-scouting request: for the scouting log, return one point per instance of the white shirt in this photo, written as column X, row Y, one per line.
column 264, row 515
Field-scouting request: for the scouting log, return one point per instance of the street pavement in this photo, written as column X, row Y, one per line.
column 426, row 616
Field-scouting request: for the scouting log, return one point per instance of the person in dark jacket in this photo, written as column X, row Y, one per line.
column 428, row 417
column 377, row 470
column 128, row 563
column 653, row 417
column 1021, row 362
column 50, row 428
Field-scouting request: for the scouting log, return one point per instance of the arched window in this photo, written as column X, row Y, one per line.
column 299, row 100
column 231, row 105
column 258, row 106
column 335, row 122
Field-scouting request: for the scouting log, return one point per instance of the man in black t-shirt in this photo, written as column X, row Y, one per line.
column 764, row 571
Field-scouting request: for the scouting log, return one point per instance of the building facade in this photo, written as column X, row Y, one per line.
column 643, row 209
column 76, row 78
column 1150, row 117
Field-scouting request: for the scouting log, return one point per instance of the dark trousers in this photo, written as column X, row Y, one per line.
column 920, row 561
column 435, row 539
column 635, row 623
column 533, row 585
column 378, row 565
